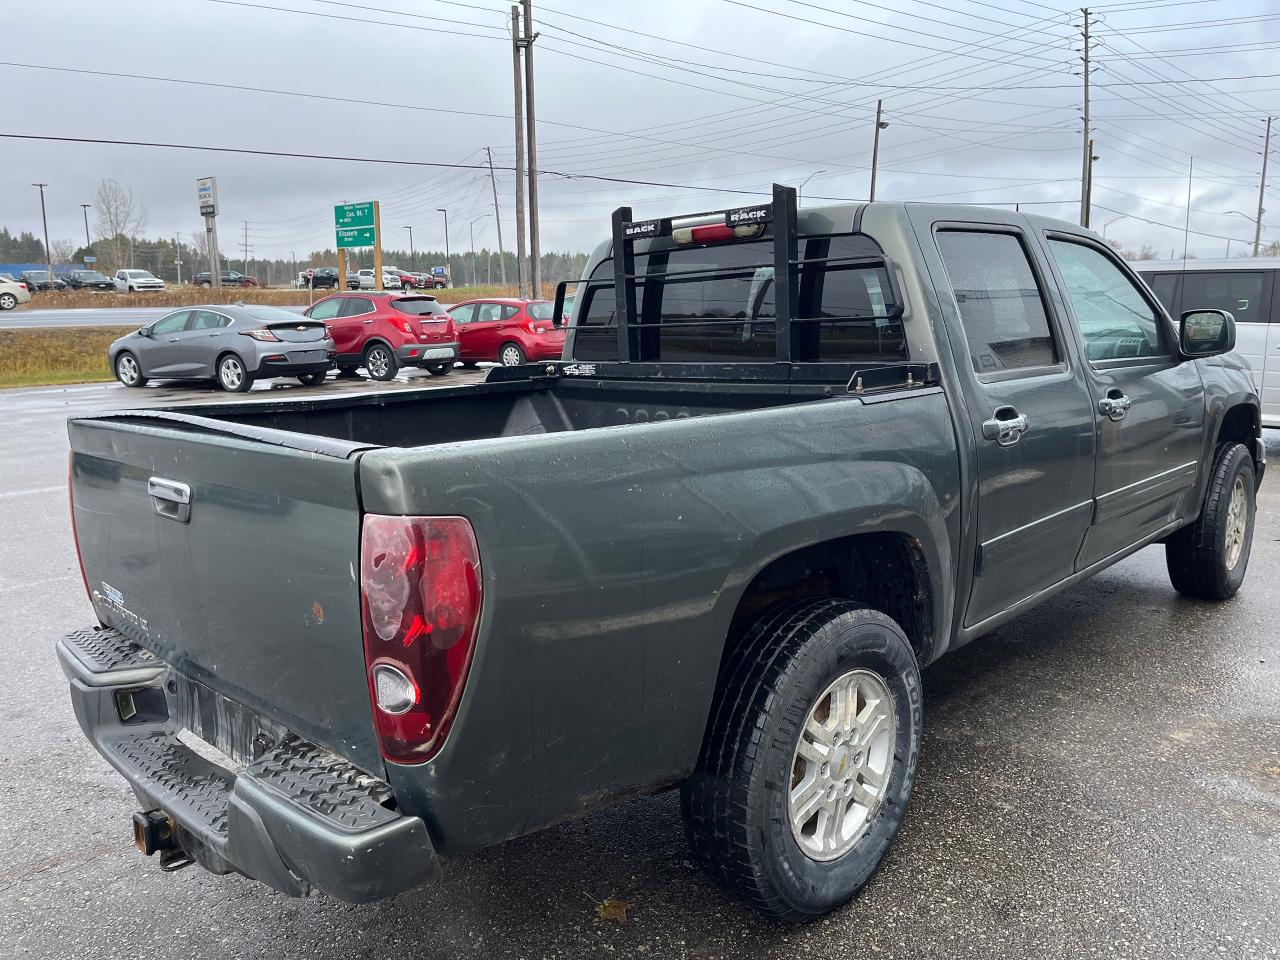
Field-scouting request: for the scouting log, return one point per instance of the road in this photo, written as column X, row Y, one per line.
column 1100, row 778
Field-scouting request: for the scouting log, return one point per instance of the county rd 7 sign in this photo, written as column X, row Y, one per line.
column 354, row 224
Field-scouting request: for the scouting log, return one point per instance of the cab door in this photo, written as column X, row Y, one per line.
column 204, row 341
column 162, row 355
column 343, row 333
column 484, row 330
column 463, row 314
column 1148, row 403
column 1028, row 409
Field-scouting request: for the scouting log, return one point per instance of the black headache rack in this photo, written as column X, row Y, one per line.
column 796, row 336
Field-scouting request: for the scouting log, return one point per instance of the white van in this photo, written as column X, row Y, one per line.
column 1249, row 287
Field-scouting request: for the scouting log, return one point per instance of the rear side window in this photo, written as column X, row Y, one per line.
column 726, row 309
column 1000, row 301
column 1241, row 293
column 207, row 320
column 356, row 306
column 486, row 312
column 418, row 307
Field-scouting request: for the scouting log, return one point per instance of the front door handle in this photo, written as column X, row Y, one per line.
column 1114, row 405
column 1005, row 427
column 368, row 321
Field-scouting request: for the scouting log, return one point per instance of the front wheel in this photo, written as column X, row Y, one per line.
column 440, row 369
column 1207, row 560
column 381, row 363
column 312, row 379
column 809, row 757
column 511, row 355
column 8, row 301
column 129, row 372
column 232, row 376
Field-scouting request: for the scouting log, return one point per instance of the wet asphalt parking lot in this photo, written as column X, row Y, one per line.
column 1100, row 778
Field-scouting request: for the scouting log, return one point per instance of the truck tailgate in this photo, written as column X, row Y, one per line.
column 250, row 586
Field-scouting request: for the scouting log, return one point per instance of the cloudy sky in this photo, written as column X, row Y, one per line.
column 686, row 97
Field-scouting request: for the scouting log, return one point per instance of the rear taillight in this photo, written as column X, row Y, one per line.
column 75, row 536
column 535, row 327
column 406, row 326
column 420, row 595
column 261, row 333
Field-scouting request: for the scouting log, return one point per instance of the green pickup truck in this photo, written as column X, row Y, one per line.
column 790, row 458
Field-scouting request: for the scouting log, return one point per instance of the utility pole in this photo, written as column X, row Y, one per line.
column 1262, row 189
column 1086, row 168
column 881, row 124
column 85, row 209
column 48, row 255
column 521, row 281
column 1186, row 227
column 497, row 219
column 244, row 248
column 177, row 257
column 412, row 257
column 535, row 248
column 448, row 269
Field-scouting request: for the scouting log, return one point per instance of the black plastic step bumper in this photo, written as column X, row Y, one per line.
column 295, row 817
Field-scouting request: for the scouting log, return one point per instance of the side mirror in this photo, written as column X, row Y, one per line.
column 144, row 331
column 1206, row 333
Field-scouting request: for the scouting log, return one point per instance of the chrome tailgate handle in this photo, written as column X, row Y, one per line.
column 170, row 498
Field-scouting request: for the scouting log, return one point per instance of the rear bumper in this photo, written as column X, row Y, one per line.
column 289, row 368
column 295, row 818
column 542, row 349
column 426, row 354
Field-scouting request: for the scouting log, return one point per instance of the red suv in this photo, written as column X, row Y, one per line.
column 507, row 330
column 383, row 331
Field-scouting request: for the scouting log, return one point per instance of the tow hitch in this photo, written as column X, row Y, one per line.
column 155, row 832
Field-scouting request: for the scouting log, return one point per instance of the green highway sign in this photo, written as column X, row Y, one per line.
column 357, row 237
column 353, row 215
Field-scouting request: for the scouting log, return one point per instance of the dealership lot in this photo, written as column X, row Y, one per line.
column 1099, row 777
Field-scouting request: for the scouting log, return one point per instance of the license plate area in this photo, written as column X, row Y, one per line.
column 219, row 721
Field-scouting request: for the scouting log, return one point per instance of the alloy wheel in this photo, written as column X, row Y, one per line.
column 1237, row 522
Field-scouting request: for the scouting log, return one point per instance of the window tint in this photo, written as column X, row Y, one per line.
column 356, row 306
column 207, row 320
column 1000, row 302
column 1115, row 320
column 543, row 309
column 173, row 323
column 1238, row 292
column 418, row 307
column 508, row 311
column 728, row 312
column 463, row 313
column 326, row 309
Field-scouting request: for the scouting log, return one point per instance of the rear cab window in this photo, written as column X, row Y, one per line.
column 716, row 303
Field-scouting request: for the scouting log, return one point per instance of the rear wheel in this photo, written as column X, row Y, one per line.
column 129, row 372
column 511, row 355
column 8, row 301
column 1208, row 559
column 809, row 757
column 381, row 362
column 312, row 379
column 440, row 369
column 232, row 375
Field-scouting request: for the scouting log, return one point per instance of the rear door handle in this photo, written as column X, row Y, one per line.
column 1005, row 427
column 1114, row 405
column 170, row 498
column 368, row 321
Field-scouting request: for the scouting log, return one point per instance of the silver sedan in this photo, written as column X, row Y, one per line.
column 233, row 345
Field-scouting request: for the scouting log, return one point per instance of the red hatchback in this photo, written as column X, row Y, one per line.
column 384, row 331
column 507, row 330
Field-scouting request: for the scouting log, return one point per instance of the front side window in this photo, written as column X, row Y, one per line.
column 463, row 313
column 1116, row 321
column 1239, row 293
column 326, row 309
column 1001, row 306
column 173, row 323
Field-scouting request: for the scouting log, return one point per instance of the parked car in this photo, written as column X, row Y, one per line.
column 383, row 332
column 712, row 548
column 38, row 281
column 12, row 292
column 89, row 280
column 353, row 280
column 507, row 330
column 230, row 278
column 323, row 278
column 233, row 345
column 1250, row 290
column 390, row 281
column 137, row 281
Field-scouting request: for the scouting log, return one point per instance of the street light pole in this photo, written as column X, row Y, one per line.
column 800, row 189
column 448, row 273
column 85, row 207
column 1110, row 222
column 881, row 124
column 412, row 257
column 48, row 254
